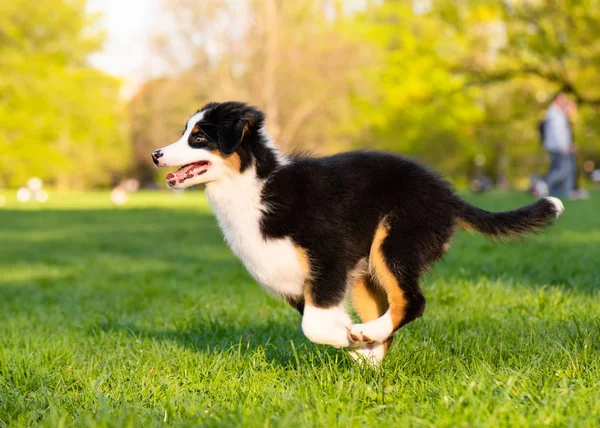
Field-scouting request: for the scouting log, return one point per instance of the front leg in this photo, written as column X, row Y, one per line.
column 327, row 326
column 325, row 321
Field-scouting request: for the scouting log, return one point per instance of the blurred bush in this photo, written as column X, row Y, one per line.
column 60, row 119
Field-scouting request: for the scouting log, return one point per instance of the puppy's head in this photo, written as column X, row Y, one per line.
column 215, row 144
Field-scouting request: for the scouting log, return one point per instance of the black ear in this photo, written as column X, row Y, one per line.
column 231, row 136
column 233, row 129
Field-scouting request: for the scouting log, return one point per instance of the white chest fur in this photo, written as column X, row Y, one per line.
column 274, row 263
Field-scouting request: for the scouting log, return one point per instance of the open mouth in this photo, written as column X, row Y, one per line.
column 186, row 172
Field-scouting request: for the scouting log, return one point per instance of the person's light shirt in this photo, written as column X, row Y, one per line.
column 557, row 132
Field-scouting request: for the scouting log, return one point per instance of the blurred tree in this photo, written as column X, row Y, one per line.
column 286, row 57
column 59, row 117
column 411, row 101
column 552, row 40
column 520, row 53
column 474, row 77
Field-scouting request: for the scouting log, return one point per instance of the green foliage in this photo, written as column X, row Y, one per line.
column 438, row 80
column 109, row 323
column 59, row 117
column 413, row 103
column 520, row 54
column 459, row 78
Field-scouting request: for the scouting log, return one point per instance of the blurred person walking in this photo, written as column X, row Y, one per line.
column 557, row 139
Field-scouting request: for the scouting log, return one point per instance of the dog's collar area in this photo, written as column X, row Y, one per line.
column 187, row 171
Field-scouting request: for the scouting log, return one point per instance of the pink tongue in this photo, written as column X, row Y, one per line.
column 180, row 174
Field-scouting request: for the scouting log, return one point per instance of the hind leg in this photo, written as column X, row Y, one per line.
column 370, row 303
column 395, row 264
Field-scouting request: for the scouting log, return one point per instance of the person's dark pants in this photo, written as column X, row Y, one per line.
column 574, row 171
column 560, row 177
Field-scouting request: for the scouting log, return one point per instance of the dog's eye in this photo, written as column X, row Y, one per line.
column 199, row 139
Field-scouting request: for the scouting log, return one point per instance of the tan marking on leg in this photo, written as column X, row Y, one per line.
column 386, row 279
column 303, row 259
column 370, row 302
column 308, row 300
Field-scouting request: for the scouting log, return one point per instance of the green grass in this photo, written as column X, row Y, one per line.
column 140, row 316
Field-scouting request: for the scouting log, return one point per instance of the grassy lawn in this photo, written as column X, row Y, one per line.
column 140, row 316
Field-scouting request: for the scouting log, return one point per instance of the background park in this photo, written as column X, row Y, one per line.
column 104, row 321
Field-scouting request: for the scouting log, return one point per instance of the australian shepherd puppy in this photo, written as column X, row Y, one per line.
column 314, row 230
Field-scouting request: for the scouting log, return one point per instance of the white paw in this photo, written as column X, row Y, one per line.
column 558, row 205
column 326, row 326
column 335, row 336
column 368, row 354
column 376, row 331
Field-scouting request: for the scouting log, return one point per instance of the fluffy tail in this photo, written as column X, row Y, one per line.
column 509, row 223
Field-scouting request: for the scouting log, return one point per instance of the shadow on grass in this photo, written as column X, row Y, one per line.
column 282, row 344
column 62, row 237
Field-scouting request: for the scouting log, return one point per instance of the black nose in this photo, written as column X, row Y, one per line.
column 155, row 155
